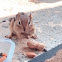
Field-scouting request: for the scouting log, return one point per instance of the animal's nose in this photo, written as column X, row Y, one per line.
column 24, row 28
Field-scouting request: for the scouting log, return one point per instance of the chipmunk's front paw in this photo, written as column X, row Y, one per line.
column 7, row 36
column 27, row 37
column 34, row 36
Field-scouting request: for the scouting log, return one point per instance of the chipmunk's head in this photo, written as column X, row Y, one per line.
column 23, row 19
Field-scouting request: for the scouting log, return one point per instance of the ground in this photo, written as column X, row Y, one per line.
column 47, row 18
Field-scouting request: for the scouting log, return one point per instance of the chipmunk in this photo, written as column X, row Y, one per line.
column 22, row 26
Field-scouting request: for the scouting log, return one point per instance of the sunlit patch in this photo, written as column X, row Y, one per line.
column 11, row 7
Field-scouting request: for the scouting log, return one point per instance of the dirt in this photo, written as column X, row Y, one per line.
column 56, row 58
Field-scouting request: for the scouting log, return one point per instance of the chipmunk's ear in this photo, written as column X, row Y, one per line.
column 30, row 16
column 11, row 19
column 18, row 15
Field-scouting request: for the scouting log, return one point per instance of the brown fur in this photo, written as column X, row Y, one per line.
column 22, row 26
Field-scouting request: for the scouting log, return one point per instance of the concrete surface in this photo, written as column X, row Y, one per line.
column 47, row 17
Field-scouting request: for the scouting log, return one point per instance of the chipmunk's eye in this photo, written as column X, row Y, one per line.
column 19, row 22
column 28, row 22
